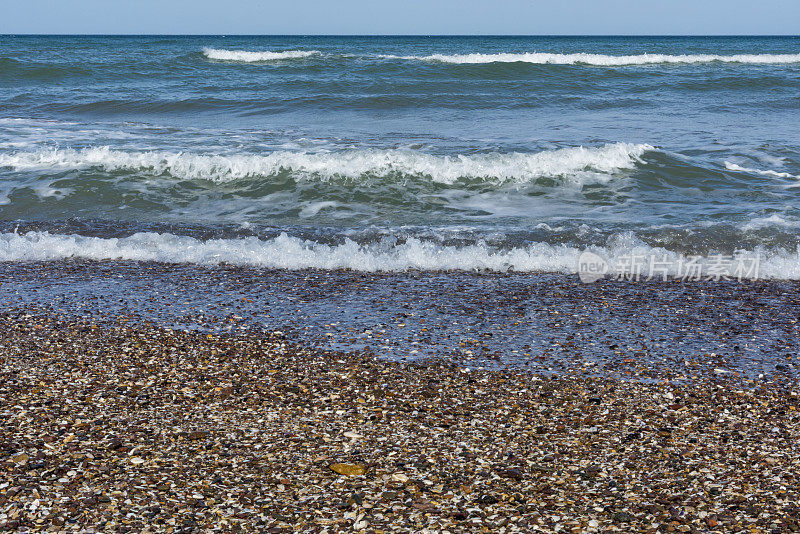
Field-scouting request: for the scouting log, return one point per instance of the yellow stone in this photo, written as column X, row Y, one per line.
column 349, row 469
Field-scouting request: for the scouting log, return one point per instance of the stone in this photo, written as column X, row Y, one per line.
column 348, row 469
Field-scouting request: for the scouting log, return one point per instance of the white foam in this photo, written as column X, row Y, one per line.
column 580, row 164
column 766, row 222
column 256, row 57
column 769, row 172
column 315, row 207
column 286, row 252
column 602, row 59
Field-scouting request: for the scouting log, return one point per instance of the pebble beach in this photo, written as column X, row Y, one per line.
column 129, row 426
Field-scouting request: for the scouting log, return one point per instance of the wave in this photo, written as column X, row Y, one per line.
column 768, row 222
column 769, row 172
column 255, row 57
column 8, row 63
column 602, row 59
column 540, row 58
column 287, row 252
column 580, row 164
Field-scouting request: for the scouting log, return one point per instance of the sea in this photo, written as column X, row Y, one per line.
column 414, row 196
column 400, row 153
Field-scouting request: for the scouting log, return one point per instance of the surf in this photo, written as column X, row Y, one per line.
column 246, row 56
column 583, row 58
column 289, row 252
column 578, row 163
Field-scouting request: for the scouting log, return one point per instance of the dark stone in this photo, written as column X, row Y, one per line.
column 631, row 437
column 513, row 473
column 622, row 517
column 487, row 499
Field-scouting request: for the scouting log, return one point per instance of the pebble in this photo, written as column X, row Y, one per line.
column 349, row 469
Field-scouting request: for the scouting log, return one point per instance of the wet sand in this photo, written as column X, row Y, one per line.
column 115, row 420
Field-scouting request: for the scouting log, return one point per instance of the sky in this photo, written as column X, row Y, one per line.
column 406, row 17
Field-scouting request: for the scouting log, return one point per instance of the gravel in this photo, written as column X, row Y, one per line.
column 129, row 427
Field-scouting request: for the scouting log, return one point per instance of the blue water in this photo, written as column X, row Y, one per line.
column 399, row 152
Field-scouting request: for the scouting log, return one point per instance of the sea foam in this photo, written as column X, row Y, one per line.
column 245, row 56
column 763, row 172
column 583, row 164
column 288, row 252
column 602, row 59
column 759, row 223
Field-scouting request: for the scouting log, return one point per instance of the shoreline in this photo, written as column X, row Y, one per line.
column 547, row 324
column 137, row 428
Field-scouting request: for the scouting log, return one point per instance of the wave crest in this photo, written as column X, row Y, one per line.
column 602, row 59
column 287, row 252
column 581, row 164
column 769, row 172
column 255, row 57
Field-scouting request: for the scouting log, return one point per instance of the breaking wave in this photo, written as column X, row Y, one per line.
column 768, row 172
column 287, row 252
column 604, row 60
column 255, row 57
column 579, row 163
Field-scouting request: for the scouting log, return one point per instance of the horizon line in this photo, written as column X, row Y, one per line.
column 387, row 35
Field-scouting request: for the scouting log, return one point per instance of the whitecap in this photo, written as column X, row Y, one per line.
column 579, row 165
column 602, row 59
column 289, row 252
column 246, row 56
column 768, row 172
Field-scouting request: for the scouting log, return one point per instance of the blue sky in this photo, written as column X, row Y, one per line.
column 636, row 17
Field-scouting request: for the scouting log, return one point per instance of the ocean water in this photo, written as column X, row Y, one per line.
column 400, row 153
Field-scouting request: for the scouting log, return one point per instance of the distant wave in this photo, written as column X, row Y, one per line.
column 602, row 59
column 255, row 57
column 580, row 163
column 7, row 62
column 288, row 252
column 768, row 172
